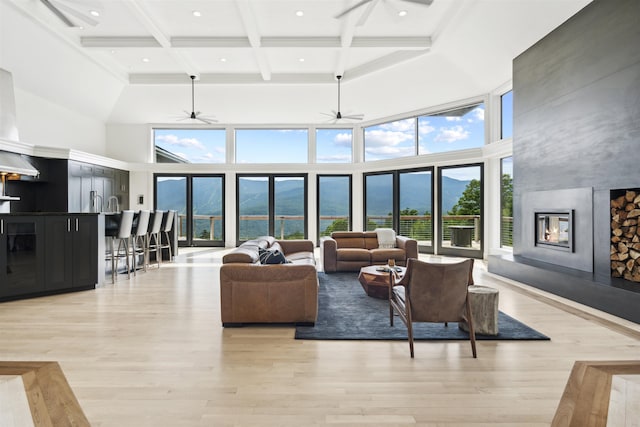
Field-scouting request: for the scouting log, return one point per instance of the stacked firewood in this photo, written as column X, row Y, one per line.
column 625, row 236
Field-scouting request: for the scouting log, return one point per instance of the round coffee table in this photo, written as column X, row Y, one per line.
column 375, row 281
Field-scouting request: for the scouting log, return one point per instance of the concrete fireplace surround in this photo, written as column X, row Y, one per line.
column 576, row 138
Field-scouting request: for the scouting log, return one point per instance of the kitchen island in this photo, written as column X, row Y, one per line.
column 45, row 253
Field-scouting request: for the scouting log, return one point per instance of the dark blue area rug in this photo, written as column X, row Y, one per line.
column 345, row 312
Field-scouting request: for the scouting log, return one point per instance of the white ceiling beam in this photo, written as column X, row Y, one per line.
column 383, row 62
column 232, row 78
column 251, row 27
column 266, row 42
column 346, row 38
column 140, row 12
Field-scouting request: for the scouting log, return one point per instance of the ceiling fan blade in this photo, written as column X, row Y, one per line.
column 365, row 15
column 76, row 13
column 58, row 13
column 355, row 6
column 354, row 116
column 422, row 2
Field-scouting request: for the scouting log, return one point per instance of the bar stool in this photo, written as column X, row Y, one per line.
column 167, row 226
column 140, row 241
column 124, row 239
column 153, row 238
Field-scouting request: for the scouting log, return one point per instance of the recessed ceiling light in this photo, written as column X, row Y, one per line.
column 299, row 13
column 223, row 59
column 113, row 51
column 197, row 13
column 145, row 59
column 301, row 59
column 94, row 13
column 402, row 13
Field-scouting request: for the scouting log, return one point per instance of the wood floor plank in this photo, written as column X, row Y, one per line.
column 151, row 351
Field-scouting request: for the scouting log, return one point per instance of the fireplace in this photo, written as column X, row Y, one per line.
column 625, row 234
column 554, row 229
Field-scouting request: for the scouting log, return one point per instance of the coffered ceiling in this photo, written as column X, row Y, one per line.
column 434, row 54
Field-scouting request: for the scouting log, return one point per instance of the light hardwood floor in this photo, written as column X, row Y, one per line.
column 151, row 351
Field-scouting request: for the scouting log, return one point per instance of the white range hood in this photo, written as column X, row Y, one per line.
column 12, row 165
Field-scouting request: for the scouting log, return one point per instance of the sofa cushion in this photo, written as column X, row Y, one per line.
column 353, row 254
column 383, row 254
column 245, row 253
column 370, row 240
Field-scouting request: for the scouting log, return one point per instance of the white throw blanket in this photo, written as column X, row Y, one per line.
column 386, row 237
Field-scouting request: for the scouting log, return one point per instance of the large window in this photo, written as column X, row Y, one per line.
column 199, row 202
column 401, row 200
column 334, row 204
column 506, row 202
column 390, row 140
column 334, row 145
column 273, row 205
column 461, row 207
column 506, row 115
column 189, row 145
column 272, row 145
column 457, row 129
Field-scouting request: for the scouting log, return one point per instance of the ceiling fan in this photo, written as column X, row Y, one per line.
column 337, row 115
column 63, row 8
column 371, row 5
column 196, row 115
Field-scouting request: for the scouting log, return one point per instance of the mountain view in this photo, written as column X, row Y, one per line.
column 289, row 198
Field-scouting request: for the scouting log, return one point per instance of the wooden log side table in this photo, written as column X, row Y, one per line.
column 484, row 310
column 375, row 281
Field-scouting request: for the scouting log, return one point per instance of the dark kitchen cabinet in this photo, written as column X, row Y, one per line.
column 22, row 256
column 71, row 246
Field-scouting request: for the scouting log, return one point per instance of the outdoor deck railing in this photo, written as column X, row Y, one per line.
column 418, row 227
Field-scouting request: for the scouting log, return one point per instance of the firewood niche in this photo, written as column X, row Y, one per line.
column 625, row 234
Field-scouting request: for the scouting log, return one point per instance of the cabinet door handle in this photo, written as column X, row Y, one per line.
column 1, row 226
column 68, row 225
column 77, row 224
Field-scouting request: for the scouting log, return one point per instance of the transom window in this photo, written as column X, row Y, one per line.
column 189, row 145
column 457, row 129
column 272, row 145
column 390, row 140
column 334, row 145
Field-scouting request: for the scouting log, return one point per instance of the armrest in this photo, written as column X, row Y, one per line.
column 329, row 254
column 292, row 246
column 409, row 245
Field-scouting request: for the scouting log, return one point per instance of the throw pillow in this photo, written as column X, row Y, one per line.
column 272, row 256
column 386, row 238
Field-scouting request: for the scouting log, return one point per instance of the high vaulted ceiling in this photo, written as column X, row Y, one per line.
column 258, row 61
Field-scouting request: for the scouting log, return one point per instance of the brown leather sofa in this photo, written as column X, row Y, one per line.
column 352, row 250
column 251, row 292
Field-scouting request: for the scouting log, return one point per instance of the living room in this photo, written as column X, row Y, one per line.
column 151, row 350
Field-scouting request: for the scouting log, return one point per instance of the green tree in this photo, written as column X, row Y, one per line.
column 337, row 225
column 469, row 202
column 506, row 195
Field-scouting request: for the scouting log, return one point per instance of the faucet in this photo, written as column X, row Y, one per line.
column 94, row 196
column 115, row 205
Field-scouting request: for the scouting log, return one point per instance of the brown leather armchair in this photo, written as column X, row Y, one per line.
column 430, row 292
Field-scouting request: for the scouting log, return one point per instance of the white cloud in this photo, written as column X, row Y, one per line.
column 400, row 125
column 386, row 138
column 453, row 118
column 452, row 134
column 343, row 139
column 424, row 128
column 478, row 114
column 174, row 140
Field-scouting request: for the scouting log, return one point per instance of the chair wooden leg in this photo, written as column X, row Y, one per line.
column 472, row 333
column 390, row 314
column 410, row 336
